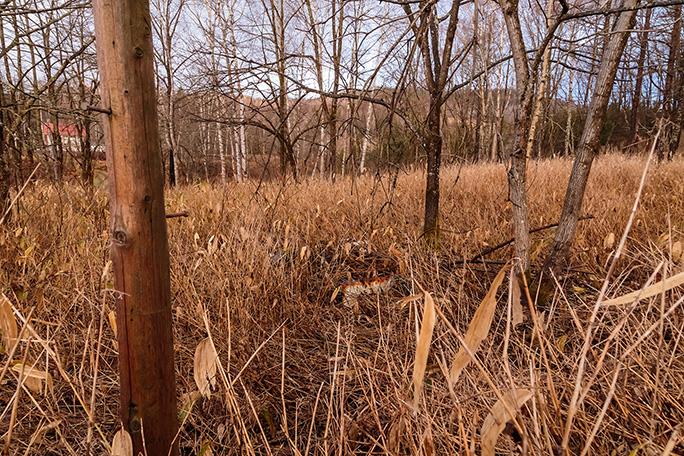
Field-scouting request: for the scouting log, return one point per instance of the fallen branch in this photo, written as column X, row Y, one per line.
column 177, row 214
column 536, row 230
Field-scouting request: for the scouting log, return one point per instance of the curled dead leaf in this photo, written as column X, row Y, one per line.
column 395, row 433
column 609, row 241
column 496, row 421
column 479, row 327
column 8, row 325
column 33, row 378
column 676, row 251
column 423, row 349
column 662, row 239
column 111, row 317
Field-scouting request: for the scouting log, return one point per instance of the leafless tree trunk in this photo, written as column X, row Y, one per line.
column 4, row 158
column 168, row 15
column 517, row 168
column 436, row 62
column 526, row 77
column 590, row 142
column 639, row 81
column 139, row 247
column 670, row 135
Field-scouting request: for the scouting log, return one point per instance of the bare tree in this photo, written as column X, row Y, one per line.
column 168, row 15
column 589, row 144
column 639, row 81
column 526, row 74
column 436, row 54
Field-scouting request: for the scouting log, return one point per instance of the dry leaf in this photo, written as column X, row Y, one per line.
column 33, row 378
column 206, row 449
column 122, row 445
column 396, row 252
column 428, row 443
column 8, row 325
column 48, row 427
column 562, row 340
column 653, row 290
column 423, row 348
column 676, row 251
column 188, row 401
column 334, row 294
column 499, row 416
column 205, row 363
column 609, row 241
column 662, row 239
column 408, row 299
column 479, row 327
column 516, row 303
column 395, row 433
column 111, row 316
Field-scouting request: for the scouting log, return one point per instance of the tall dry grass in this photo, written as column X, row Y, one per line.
column 255, row 266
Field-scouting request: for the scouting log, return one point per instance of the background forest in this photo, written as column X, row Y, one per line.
column 328, row 88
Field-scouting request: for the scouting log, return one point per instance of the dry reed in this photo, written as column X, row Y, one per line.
column 254, row 267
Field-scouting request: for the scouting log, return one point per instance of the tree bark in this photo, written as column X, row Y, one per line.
column 589, row 143
column 433, row 144
column 4, row 157
column 436, row 60
column 670, row 111
column 517, row 171
column 139, row 248
column 639, row 81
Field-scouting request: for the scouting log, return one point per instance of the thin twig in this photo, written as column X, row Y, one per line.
column 9, row 208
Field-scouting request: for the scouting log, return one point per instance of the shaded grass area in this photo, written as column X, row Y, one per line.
column 261, row 267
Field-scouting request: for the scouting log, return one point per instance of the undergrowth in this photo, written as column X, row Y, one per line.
column 262, row 266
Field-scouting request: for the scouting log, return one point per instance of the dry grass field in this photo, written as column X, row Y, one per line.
column 306, row 369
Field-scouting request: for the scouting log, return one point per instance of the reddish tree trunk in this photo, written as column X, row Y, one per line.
column 139, row 248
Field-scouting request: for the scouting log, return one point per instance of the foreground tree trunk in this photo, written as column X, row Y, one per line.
column 589, row 144
column 139, row 248
column 434, row 163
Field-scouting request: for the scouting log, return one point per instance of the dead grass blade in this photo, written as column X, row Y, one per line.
column 589, row 331
column 648, row 292
column 496, row 421
column 206, row 364
column 479, row 327
column 8, row 325
column 423, row 348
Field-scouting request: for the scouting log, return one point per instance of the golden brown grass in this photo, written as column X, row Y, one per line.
column 255, row 266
